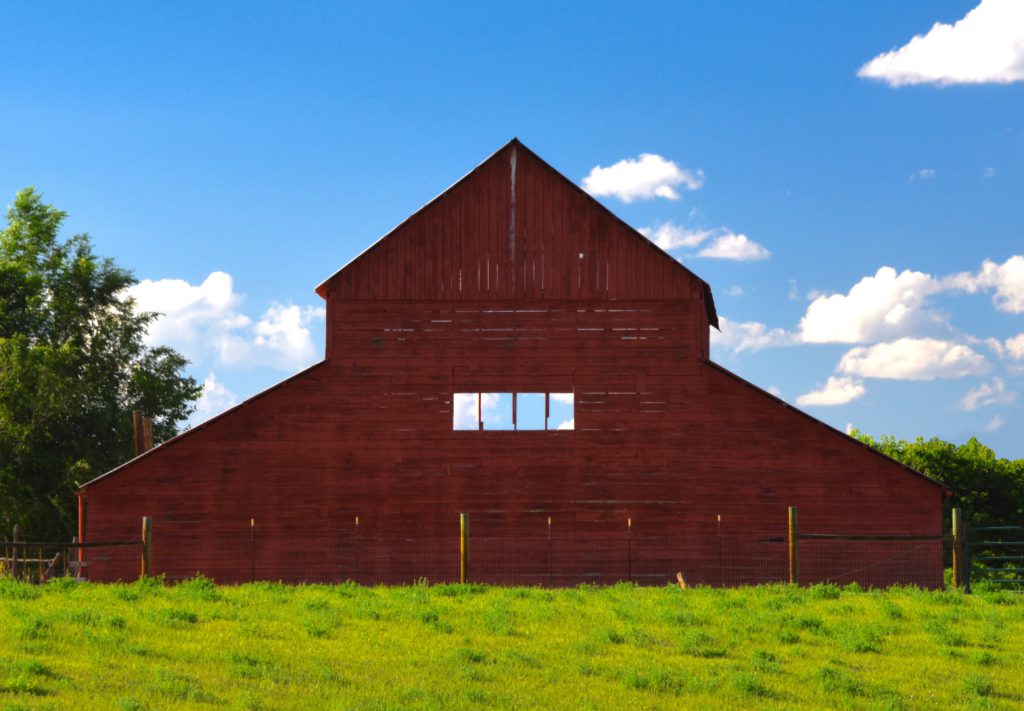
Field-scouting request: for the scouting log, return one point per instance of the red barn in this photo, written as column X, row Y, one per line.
column 515, row 351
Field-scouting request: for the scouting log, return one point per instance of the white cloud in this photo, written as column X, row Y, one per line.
column 1007, row 279
column 993, row 393
column 988, row 172
column 215, row 399
column 913, row 359
column 724, row 243
column 643, row 178
column 569, row 424
column 736, row 247
column 876, row 307
column 566, row 398
column 205, row 323
column 985, row 46
column 1015, row 347
column 736, row 336
column 923, row 174
column 672, row 236
column 995, row 423
column 465, row 411
column 734, row 291
column 774, row 390
column 837, row 391
column 793, row 293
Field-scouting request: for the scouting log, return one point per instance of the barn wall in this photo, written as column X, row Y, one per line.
column 661, row 437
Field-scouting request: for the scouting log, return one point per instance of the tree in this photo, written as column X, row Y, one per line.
column 989, row 490
column 73, row 365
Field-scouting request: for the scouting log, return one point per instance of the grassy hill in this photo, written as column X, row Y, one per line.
column 268, row 646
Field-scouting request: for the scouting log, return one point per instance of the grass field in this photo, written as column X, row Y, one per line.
column 146, row 646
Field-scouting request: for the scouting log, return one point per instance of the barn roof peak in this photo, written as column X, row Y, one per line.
column 517, row 146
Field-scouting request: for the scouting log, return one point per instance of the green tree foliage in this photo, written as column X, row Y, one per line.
column 989, row 490
column 73, row 366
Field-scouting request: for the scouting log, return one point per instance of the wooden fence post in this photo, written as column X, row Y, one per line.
column 551, row 572
column 958, row 549
column 794, row 548
column 629, row 552
column 147, row 544
column 356, row 572
column 14, row 562
column 252, row 550
column 463, row 547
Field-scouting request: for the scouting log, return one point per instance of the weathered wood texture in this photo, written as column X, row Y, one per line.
column 462, row 298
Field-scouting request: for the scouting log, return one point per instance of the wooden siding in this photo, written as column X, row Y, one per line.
column 663, row 436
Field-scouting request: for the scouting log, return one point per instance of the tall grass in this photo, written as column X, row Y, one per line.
column 269, row 646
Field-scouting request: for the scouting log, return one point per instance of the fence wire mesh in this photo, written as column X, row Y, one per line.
column 715, row 559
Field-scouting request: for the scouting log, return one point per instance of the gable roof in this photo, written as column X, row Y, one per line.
column 514, row 148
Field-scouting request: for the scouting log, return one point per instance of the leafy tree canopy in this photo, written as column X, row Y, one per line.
column 988, row 489
column 73, row 366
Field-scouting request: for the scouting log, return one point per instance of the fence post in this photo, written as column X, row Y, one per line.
column 958, row 549
column 147, row 544
column 16, row 538
column 252, row 550
column 356, row 571
column 629, row 552
column 550, row 571
column 794, row 548
column 463, row 547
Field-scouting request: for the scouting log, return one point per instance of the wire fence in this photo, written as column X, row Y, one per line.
column 720, row 560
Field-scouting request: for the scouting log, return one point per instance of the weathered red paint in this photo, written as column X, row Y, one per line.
column 513, row 280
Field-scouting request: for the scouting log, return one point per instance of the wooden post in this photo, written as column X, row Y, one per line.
column 550, row 571
column 147, row 434
column 14, row 561
column 958, row 549
column 463, row 547
column 357, row 550
column 147, row 544
column 79, row 554
column 718, row 547
column 252, row 550
column 137, row 432
column 794, row 548
column 629, row 552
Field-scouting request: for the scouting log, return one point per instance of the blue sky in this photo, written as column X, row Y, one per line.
column 233, row 156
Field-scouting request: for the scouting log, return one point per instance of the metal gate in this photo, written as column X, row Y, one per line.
column 995, row 555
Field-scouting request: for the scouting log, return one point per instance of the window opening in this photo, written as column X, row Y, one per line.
column 562, row 416
column 513, row 411
column 496, row 411
column 530, row 411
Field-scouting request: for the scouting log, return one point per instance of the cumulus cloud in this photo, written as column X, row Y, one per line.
column 913, row 359
column 836, row 391
column 465, row 410
column 215, row 399
column 993, row 393
column 643, row 178
column 720, row 242
column 569, row 424
column 877, row 306
column 737, row 336
column 672, row 236
column 737, row 247
column 923, row 174
column 205, row 323
column 1015, row 347
column 734, row 291
column 1006, row 279
column 985, row 46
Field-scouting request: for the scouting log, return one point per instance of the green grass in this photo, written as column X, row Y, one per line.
column 268, row 646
